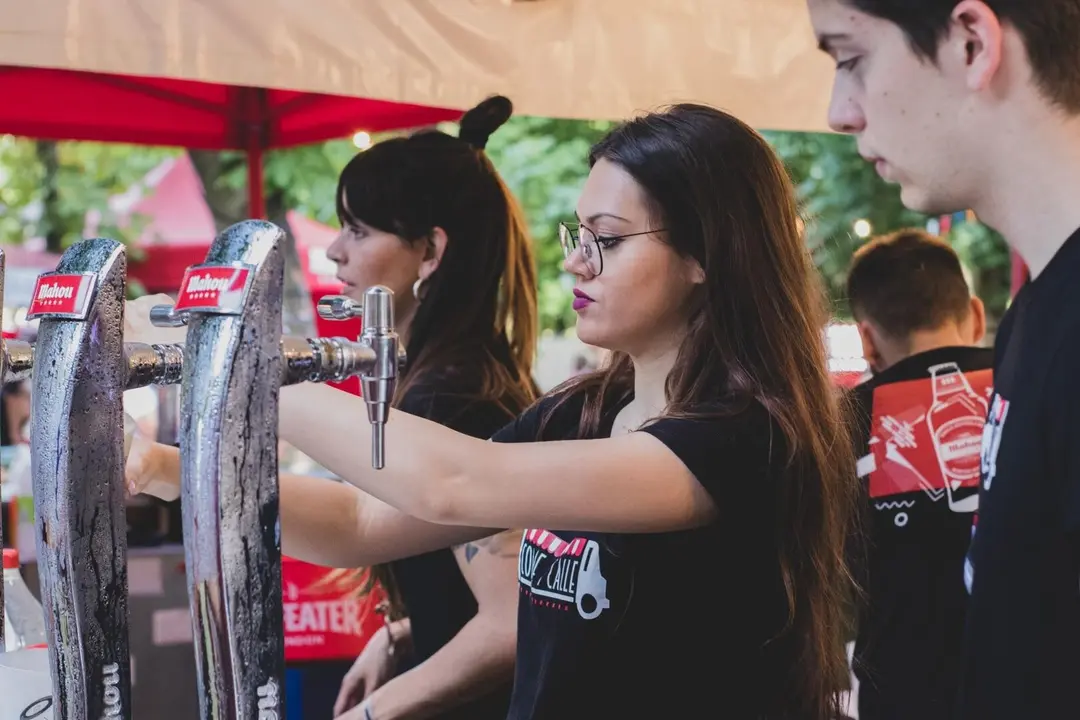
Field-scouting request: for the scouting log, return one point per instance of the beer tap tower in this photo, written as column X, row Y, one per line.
column 83, row 368
column 237, row 360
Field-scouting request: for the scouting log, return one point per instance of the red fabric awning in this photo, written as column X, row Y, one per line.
column 68, row 105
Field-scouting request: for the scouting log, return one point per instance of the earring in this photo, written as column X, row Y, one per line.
column 416, row 288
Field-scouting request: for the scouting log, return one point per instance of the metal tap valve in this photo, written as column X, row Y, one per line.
column 377, row 334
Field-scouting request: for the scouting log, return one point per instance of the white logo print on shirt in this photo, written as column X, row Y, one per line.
column 991, row 439
column 563, row 574
column 991, row 443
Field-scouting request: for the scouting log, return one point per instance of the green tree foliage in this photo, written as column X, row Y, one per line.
column 545, row 162
column 47, row 188
column 837, row 187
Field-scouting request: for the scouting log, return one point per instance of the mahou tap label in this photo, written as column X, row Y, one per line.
column 214, row 288
column 62, row 296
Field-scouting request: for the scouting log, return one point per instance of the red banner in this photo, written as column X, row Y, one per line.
column 325, row 619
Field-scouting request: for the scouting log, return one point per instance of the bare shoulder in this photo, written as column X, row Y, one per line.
column 503, row 544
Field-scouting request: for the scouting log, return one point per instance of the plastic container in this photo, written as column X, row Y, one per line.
column 24, row 618
column 26, row 686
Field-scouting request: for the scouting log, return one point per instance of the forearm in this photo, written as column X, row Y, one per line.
column 331, row 427
column 320, row 523
column 475, row 661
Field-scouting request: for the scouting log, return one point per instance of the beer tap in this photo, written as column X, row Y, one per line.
column 229, row 470
column 77, row 462
column 336, row 359
column 378, row 382
column 236, row 362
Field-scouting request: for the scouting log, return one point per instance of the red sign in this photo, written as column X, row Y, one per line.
column 214, row 288
column 61, row 296
column 325, row 617
column 926, row 436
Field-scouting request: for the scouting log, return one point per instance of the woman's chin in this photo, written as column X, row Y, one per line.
column 588, row 333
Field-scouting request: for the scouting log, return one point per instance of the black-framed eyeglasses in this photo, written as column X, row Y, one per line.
column 575, row 235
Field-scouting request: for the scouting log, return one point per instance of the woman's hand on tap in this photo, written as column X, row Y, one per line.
column 152, row 468
column 137, row 325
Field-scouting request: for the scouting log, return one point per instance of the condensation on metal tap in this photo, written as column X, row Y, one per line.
column 77, row 469
column 232, row 369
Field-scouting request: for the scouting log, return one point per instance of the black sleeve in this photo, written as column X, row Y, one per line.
column 455, row 408
column 733, row 457
column 526, row 426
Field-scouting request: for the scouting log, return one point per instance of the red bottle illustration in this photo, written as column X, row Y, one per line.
column 955, row 421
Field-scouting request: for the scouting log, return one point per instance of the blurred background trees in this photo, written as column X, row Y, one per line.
column 46, row 189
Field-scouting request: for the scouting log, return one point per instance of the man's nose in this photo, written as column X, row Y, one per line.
column 845, row 114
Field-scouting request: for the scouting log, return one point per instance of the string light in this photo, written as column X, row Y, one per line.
column 362, row 140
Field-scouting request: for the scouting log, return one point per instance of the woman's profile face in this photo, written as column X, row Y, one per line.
column 366, row 256
column 640, row 301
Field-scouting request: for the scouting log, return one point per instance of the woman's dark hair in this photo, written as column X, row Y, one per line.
column 482, row 298
column 756, row 334
column 478, row 316
column 8, row 391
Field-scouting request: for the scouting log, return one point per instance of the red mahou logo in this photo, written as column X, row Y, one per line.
column 64, row 296
column 213, row 288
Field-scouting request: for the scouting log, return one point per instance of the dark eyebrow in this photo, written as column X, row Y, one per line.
column 826, row 40
column 591, row 220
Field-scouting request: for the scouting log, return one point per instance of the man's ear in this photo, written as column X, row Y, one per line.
column 871, row 346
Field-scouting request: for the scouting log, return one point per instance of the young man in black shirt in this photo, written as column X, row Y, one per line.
column 976, row 104
column 919, row 421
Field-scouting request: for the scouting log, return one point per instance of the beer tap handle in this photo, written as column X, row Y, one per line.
column 167, row 316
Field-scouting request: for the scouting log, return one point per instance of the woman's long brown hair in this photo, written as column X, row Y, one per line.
column 478, row 313
column 756, row 335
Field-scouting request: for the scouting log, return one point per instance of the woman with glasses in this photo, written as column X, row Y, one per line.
column 686, row 506
column 428, row 216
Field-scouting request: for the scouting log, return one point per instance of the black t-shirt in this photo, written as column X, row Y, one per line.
column 1022, row 654
column 919, row 426
column 665, row 625
column 435, row 593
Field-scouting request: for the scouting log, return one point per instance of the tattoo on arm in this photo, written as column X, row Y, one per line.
column 504, row 544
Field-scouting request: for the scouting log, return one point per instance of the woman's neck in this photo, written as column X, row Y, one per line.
column 651, row 372
column 403, row 325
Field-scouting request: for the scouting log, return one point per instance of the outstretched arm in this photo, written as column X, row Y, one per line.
column 632, row 483
column 322, row 521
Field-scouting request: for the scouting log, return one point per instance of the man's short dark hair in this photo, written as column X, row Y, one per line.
column 907, row 282
column 1050, row 29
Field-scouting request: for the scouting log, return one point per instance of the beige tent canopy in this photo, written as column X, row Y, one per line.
column 559, row 58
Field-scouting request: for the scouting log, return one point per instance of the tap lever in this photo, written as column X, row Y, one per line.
column 168, row 316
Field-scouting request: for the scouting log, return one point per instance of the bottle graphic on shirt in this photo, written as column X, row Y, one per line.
column 955, row 421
